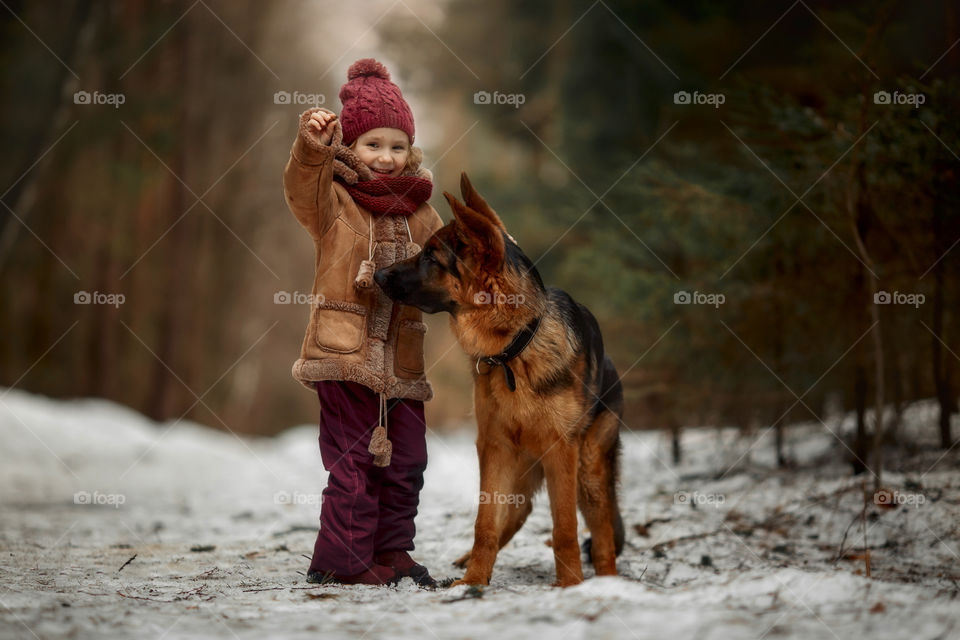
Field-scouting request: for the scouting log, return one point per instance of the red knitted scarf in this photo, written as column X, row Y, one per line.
column 399, row 196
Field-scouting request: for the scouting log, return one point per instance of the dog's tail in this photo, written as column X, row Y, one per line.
column 589, row 495
column 612, row 398
column 619, row 534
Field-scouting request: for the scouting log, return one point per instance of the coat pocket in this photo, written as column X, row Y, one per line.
column 339, row 326
column 410, row 346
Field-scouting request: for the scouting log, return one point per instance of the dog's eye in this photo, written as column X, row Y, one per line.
column 431, row 261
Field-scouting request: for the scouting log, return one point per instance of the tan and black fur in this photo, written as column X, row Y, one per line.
column 561, row 424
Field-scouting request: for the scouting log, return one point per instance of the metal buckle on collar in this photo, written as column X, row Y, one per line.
column 507, row 371
column 513, row 349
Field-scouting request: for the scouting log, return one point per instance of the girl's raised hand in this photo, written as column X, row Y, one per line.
column 321, row 125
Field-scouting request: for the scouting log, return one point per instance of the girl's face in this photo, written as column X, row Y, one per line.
column 384, row 150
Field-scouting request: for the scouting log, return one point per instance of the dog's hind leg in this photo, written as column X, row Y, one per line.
column 520, row 501
column 597, row 492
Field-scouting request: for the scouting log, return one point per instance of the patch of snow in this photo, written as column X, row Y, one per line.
column 723, row 545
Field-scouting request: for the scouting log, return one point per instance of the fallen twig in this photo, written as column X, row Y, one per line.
column 667, row 544
column 132, row 558
column 866, row 548
column 644, row 529
column 295, row 529
column 120, row 593
column 839, row 555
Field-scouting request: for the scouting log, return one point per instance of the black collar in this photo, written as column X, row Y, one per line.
column 520, row 342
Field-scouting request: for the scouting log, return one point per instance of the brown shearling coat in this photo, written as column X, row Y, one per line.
column 354, row 334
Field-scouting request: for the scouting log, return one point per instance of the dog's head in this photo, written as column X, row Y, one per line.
column 472, row 263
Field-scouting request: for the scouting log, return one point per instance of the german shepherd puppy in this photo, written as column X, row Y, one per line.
column 548, row 401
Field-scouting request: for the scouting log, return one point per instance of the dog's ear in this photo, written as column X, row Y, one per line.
column 476, row 202
column 478, row 232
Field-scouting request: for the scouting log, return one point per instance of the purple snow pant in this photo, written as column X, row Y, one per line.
column 366, row 510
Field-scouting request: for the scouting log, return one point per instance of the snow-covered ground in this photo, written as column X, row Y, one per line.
column 115, row 526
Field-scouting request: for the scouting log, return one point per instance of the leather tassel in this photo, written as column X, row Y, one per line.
column 364, row 278
column 380, row 447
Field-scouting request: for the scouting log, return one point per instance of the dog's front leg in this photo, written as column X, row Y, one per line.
column 494, row 468
column 560, row 464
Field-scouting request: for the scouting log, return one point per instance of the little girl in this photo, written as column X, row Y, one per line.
column 355, row 183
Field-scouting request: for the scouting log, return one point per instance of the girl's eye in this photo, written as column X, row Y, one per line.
column 398, row 149
column 372, row 145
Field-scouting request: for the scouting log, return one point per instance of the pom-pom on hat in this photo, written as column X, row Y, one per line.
column 370, row 100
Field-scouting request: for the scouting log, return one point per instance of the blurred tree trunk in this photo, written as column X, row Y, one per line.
column 942, row 365
column 22, row 195
column 860, row 405
column 941, row 368
column 896, row 383
column 779, row 349
column 860, row 214
column 167, row 395
column 101, row 348
column 778, row 428
column 40, row 331
column 547, row 121
column 859, row 211
column 675, row 449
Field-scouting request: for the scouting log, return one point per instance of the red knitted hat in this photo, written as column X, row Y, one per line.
column 370, row 101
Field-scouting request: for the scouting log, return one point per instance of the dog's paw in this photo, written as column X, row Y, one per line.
column 472, row 591
column 462, row 560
